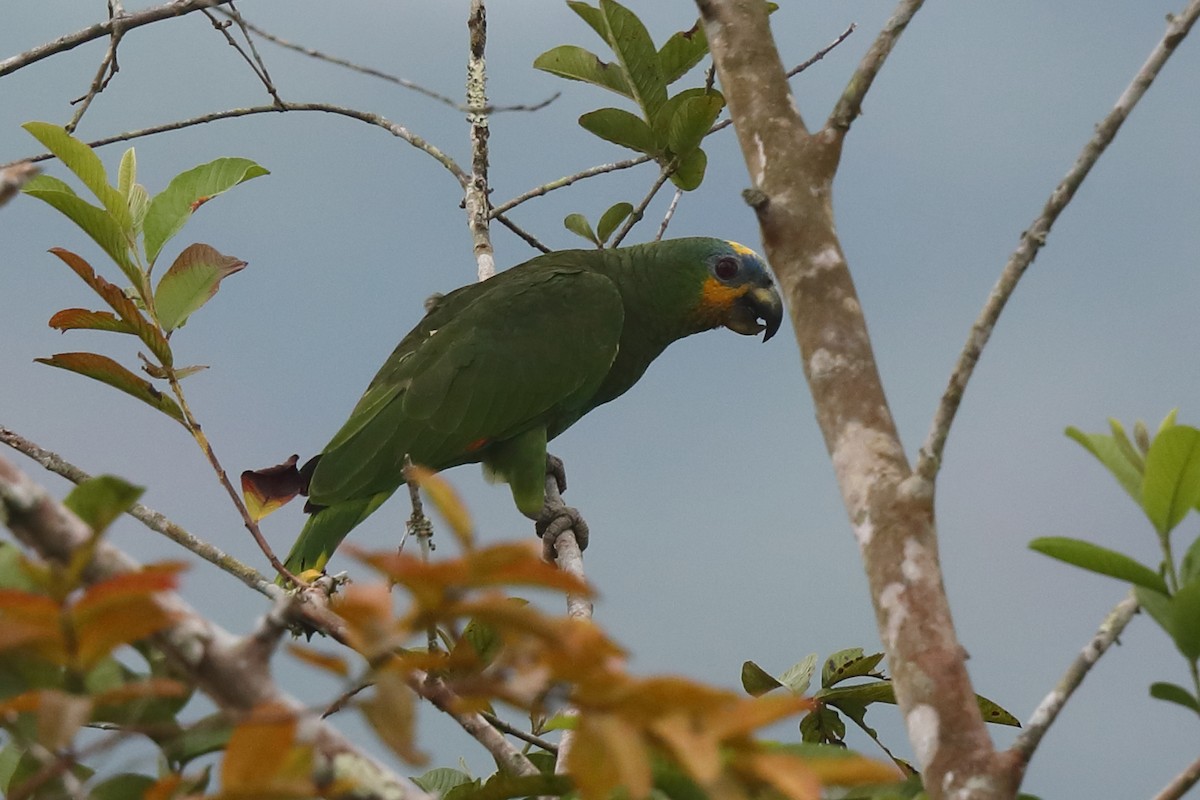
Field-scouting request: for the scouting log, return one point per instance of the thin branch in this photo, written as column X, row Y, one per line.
column 108, row 65
column 930, row 457
column 1047, row 711
column 152, row 519
column 320, row 55
column 13, row 177
column 230, row 670
column 253, row 59
column 538, row 191
column 529, row 238
column 849, row 106
column 1180, row 784
column 513, row 730
column 476, row 201
column 137, row 19
column 371, row 119
column 824, row 51
column 639, row 210
column 666, row 220
column 508, row 758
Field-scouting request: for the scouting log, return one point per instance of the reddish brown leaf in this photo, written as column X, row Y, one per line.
column 199, row 202
column 267, row 490
column 116, row 299
column 82, row 319
column 105, row 370
column 31, row 621
column 121, row 610
column 148, row 688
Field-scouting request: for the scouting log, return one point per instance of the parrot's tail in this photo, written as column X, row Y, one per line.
column 325, row 530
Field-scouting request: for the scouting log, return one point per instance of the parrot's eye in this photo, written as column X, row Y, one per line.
column 727, row 268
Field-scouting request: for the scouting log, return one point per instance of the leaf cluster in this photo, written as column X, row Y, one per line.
column 132, row 228
column 1162, row 475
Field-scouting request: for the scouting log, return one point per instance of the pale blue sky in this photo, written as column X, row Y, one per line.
column 718, row 534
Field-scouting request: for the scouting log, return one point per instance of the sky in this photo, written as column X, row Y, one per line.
column 718, row 535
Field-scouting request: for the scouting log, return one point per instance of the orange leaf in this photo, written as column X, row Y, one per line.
column 367, row 610
column 105, row 370
column 691, row 744
column 121, row 610
column 59, row 715
column 148, row 688
column 391, row 710
column 31, row 621
column 447, row 501
column 164, row 788
column 269, row 489
column 852, row 770
column 322, row 661
column 751, row 713
column 263, row 756
column 83, row 319
column 786, row 773
column 609, row 753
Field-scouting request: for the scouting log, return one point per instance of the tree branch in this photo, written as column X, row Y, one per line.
column 393, row 128
column 930, row 457
column 476, row 201
column 892, row 516
column 231, row 671
column 1180, row 784
column 108, row 65
column 1047, row 711
column 849, row 106
column 101, row 29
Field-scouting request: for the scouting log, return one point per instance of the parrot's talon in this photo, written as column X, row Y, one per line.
column 555, row 469
column 554, row 521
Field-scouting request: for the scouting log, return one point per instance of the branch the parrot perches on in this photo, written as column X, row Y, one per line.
column 497, row 369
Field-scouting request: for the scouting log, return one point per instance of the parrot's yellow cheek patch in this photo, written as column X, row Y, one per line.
column 716, row 299
column 742, row 250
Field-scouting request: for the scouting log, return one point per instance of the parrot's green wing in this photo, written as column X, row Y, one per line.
column 483, row 376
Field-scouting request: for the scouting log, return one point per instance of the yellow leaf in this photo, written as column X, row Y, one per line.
column 787, row 774
column 391, row 710
column 609, row 753
column 323, row 661
column 447, row 502
column 852, row 770
column 264, row 758
column 691, row 744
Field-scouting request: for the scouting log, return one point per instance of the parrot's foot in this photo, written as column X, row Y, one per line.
column 555, row 468
column 555, row 519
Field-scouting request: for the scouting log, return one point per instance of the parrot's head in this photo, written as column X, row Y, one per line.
column 738, row 292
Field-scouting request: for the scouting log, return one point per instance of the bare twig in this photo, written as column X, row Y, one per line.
column 1047, row 711
column 538, row 191
column 108, row 65
column 476, row 201
column 513, row 730
column 639, row 210
column 1180, row 784
column 252, row 58
column 666, row 220
column 152, row 519
column 824, row 51
column 929, row 460
column 528, row 237
column 13, row 177
column 849, row 106
column 320, row 55
column 371, row 119
column 230, row 670
column 137, row 19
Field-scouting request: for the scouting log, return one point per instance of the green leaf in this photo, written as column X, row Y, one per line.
column 105, row 370
column 637, row 55
column 1133, row 454
column 689, row 173
column 578, row 225
column 70, row 319
column 995, row 714
column 1110, row 454
column 47, row 183
column 83, row 161
column 691, row 122
column 139, row 204
column 1189, row 567
column 191, row 282
column 1174, row 693
column 95, row 222
column 1185, row 606
column 863, row 694
column 1171, row 485
column 846, row 664
column 1095, row 558
column 442, row 779
column 100, row 500
column 576, row 64
column 503, row 787
column 798, row 676
column 205, row 736
column 186, row 192
column 756, row 681
column 620, row 127
column 126, row 310
column 1158, row 606
column 822, row 725
column 121, row 787
column 127, row 173
column 681, row 52
column 611, row 219
column 591, row 15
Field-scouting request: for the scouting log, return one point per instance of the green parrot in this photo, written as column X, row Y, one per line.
column 497, row 369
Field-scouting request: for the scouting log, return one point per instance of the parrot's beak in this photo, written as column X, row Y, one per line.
column 761, row 302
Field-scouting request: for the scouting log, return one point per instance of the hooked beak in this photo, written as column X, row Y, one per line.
column 761, row 302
